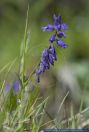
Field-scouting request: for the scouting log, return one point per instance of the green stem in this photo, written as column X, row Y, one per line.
column 22, row 68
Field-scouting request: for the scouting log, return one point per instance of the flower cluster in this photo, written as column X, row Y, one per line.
column 49, row 54
column 48, row 57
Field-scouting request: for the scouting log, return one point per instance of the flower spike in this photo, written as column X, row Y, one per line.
column 49, row 54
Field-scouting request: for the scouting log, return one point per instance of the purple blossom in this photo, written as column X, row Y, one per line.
column 57, row 27
column 52, row 51
column 45, row 53
column 57, row 20
column 7, row 88
column 51, row 59
column 16, row 86
column 64, row 26
column 52, row 38
column 61, row 44
column 49, row 27
column 61, row 34
column 42, row 67
column 45, row 63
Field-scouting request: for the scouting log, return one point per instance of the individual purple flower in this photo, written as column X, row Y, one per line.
column 44, row 60
column 64, row 26
column 52, row 38
column 42, row 67
column 57, row 27
column 61, row 34
column 7, row 88
column 57, row 20
column 45, row 53
column 49, row 27
column 16, row 86
column 45, row 63
column 52, row 51
column 61, row 44
column 39, row 71
column 51, row 59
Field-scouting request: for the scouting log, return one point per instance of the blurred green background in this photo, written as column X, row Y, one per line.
column 74, row 12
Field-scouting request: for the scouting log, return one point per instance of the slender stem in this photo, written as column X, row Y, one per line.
column 25, row 34
column 22, row 69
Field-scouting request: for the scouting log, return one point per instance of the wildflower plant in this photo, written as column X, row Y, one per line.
column 49, row 54
column 20, row 109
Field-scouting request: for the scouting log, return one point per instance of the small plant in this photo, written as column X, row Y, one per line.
column 19, row 107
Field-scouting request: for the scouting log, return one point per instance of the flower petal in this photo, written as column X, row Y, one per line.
column 45, row 53
column 16, row 86
column 61, row 44
column 49, row 27
column 61, row 34
column 7, row 88
column 52, row 38
column 52, row 51
column 51, row 60
column 64, row 26
column 57, row 20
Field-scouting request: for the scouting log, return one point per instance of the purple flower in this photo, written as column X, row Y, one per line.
column 57, row 27
column 16, row 86
column 7, row 88
column 49, row 27
column 51, row 59
column 45, row 63
column 52, row 51
column 42, row 67
column 57, row 20
column 44, row 59
column 52, row 38
column 61, row 44
column 64, row 26
column 39, row 71
column 57, row 23
column 61, row 34
column 45, row 53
